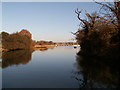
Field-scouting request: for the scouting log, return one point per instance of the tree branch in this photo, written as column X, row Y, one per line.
column 78, row 16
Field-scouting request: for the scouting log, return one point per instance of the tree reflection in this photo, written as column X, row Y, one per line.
column 43, row 49
column 16, row 57
column 97, row 73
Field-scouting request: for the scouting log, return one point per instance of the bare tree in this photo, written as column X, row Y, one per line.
column 112, row 16
column 114, row 8
column 87, row 24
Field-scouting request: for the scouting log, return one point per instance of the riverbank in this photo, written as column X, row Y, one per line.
column 36, row 47
column 44, row 46
column 2, row 50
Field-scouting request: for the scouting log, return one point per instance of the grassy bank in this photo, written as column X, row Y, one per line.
column 44, row 46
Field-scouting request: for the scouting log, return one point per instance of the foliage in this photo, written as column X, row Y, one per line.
column 16, row 41
column 45, row 43
column 99, row 38
column 98, row 34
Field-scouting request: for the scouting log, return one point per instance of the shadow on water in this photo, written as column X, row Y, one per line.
column 16, row 57
column 97, row 73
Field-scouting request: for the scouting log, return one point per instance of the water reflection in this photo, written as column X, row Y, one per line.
column 41, row 49
column 16, row 57
column 44, row 48
column 97, row 73
column 48, row 69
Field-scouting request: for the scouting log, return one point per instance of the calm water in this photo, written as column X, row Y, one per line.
column 51, row 68
column 58, row 67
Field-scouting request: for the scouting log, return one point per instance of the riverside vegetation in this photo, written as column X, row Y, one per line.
column 97, row 61
column 23, row 41
column 99, row 34
column 99, row 38
column 17, row 41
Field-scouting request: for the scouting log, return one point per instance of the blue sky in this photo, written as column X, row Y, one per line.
column 45, row 20
column 0, row 16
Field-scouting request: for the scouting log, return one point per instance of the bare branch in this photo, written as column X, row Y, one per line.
column 111, row 8
column 104, row 19
column 78, row 16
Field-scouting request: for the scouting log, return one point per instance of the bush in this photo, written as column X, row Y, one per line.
column 16, row 41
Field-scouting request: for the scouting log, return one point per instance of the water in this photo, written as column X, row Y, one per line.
column 58, row 67
column 52, row 68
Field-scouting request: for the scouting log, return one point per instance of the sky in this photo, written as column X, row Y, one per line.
column 51, row 21
column 0, row 16
column 56, row 0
